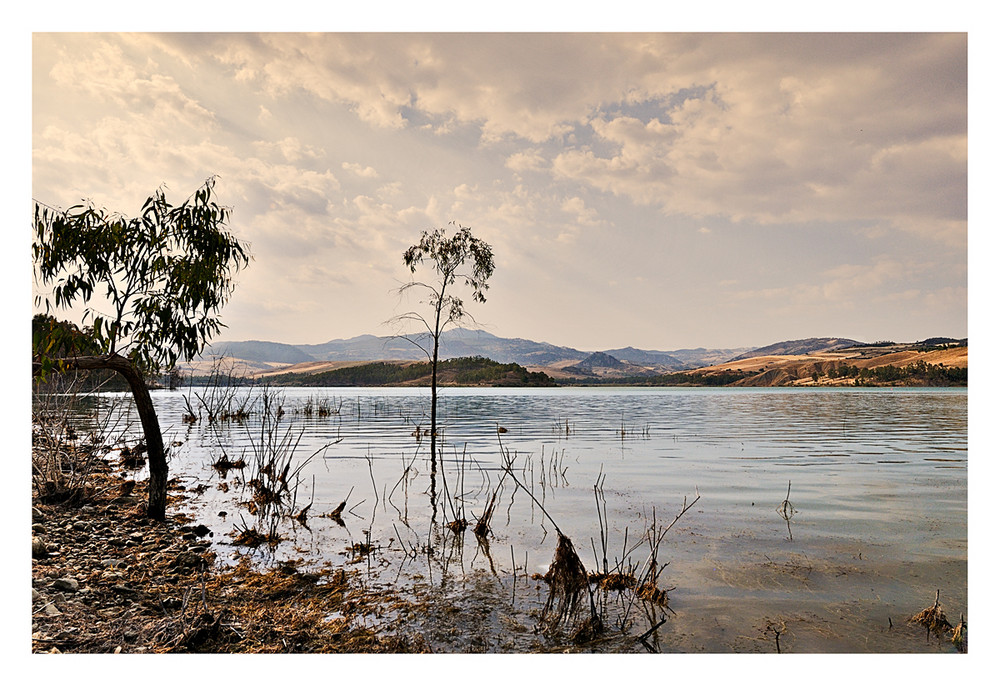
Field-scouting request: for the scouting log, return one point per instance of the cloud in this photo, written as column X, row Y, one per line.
column 358, row 170
column 752, row 127
column 291, row 149
column 527, row 160
column 582, row 158
column 107, row 74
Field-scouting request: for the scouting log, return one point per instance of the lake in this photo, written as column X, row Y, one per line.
column 823, row 518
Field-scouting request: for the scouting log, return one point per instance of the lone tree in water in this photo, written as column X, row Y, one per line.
column 461, row 256
column 165, row 275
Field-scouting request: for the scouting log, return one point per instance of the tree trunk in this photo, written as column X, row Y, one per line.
column 157, row 507
column 434, row 404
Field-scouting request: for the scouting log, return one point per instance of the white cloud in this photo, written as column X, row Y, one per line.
column 359, row 170
column 564, row 151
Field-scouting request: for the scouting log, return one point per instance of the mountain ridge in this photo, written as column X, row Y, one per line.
column 462, row 342
column 458, row 343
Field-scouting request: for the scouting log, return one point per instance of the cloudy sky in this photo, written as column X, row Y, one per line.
column 661, row 191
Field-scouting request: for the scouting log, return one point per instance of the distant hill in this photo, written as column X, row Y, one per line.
column 259, row 351
column 517, row 361
column 596, row 360
column 461, row 371
column 454, row 343
column 804, row 346
column 461, row 343
column 692, row 358
column 648, row 357
column 604, row 365
column 560, row 362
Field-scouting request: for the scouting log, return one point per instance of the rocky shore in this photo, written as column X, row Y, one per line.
column 106, row 579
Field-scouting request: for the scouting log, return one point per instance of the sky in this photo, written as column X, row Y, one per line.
column 662, row 190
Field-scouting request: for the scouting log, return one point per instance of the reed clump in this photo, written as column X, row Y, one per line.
column 567, row 579
column 457, row 526
column 933, row 618
column 250, row 537
column 960, row 636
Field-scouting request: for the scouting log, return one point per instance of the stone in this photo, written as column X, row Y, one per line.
column 188, row 559
column 66, row 583
column 39, row 550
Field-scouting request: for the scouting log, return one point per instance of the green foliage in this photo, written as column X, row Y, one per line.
column 460, row 256
column 54, row 340
column 918, row 373
column 724, row 378
column 165, row 274
column 843, row 371
column 449, row 255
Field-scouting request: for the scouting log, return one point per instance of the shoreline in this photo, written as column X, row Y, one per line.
column 113, row 581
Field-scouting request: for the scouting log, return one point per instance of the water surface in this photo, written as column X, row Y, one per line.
column 875, row 479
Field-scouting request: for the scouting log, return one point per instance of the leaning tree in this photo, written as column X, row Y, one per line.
column 463, row 256
column 165, row 276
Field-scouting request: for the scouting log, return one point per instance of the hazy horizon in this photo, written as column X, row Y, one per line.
column 222, row 338
column 661, row 191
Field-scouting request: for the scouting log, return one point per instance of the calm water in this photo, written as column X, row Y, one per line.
column 877, row 479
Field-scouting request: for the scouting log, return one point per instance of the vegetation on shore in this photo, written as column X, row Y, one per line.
column 919, row 373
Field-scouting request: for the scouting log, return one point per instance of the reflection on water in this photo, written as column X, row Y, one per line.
column 876, row 480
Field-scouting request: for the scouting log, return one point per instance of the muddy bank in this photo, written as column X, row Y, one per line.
column 105, row 579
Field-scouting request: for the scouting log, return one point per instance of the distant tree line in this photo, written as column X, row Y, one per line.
column 724, row 378
column 918, row 373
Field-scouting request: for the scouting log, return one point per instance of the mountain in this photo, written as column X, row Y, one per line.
column 804, row 346
column 605, row 366
column 471, row 343
column 259, row 351
column 647, row 357
column 782, row 363
column 693, row 358
column 454, row 343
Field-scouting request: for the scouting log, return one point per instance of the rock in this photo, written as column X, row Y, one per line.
column 39, row 550
column 38, row 528
column 36, row 515
column 188, row 559
column 66, row 583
